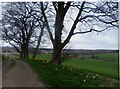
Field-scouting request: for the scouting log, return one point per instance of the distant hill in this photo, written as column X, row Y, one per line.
column 46, row 50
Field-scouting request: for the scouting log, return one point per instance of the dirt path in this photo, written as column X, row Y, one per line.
column 19, row 74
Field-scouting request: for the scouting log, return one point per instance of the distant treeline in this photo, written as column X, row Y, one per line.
column 48, row 50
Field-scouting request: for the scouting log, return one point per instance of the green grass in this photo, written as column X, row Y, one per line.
column 41, row 56
column 77, row 72
column 111, row 57
column 63, row 76
column 105, row 64
column 46, row 57
column 107, row 69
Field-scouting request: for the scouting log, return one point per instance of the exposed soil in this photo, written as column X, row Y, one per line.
column 19, row 74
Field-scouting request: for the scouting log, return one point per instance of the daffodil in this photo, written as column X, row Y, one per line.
column 96, row 74
column 94, row 77
column 71, row 69
column 84, row 80
column 56, row 69
column 68, row 67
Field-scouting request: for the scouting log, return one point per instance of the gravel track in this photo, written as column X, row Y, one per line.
column 19, row 74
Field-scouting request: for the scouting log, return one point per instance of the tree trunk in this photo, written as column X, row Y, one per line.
column 38, row 44
column 57, row 53
column 57, row 50
column 21, row 55
column 35, row 52
column 59, row 19
column 24, row 54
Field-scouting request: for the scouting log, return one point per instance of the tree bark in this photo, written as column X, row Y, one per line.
column 24, row 53
column 57, row 53
column 57, row 49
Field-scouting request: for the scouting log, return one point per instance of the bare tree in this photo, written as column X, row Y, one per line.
column 90, row 16
column 38, row 42
column 19, row 25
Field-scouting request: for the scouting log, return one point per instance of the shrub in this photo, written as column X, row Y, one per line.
column 94, row 57
column 4, row 57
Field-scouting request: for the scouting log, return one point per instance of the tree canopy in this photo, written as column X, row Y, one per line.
column 86, row 17
column 20, row 22
column 62, row 20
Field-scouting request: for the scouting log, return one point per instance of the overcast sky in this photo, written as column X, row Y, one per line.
column 104, row 40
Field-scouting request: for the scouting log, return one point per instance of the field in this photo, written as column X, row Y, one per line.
column 104, row 64
column 109, row 57
column 107, row 69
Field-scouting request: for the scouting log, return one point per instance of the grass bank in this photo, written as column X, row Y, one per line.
column 104, row 68
column 103, row 64
column 63, row 76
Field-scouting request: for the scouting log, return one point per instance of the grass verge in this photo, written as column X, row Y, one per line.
column 63, row 76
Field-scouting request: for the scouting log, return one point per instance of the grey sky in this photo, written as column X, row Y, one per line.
column 104, row 40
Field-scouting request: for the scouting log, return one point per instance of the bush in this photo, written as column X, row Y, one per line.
column 4, row 57
column 8, row 57
column 94, row 57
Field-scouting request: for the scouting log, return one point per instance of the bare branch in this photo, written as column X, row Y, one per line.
column 67, row 7
column 46, row 23
column 74, row 26
column 91, row 31
column 55, row 6
column 97, row 17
